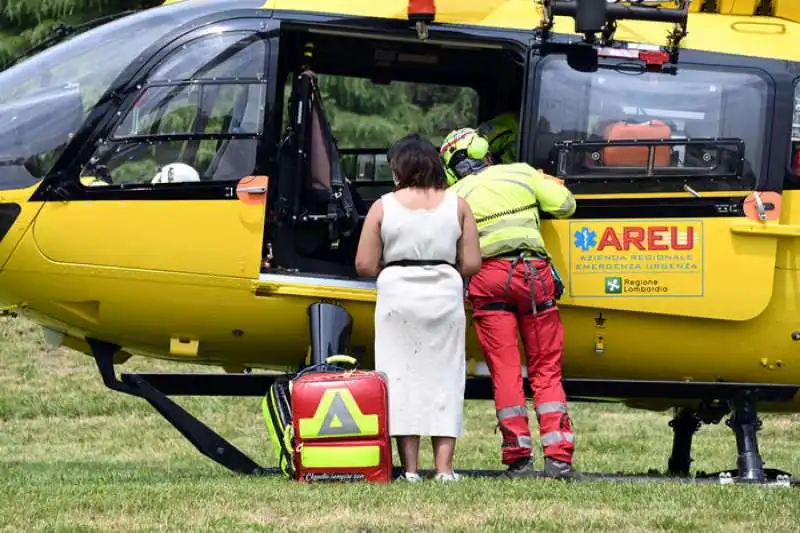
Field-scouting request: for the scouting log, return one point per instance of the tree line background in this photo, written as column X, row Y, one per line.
column 24, row 23
column 361, row 114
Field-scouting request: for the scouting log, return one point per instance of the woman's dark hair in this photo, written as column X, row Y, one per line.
column 416, row 163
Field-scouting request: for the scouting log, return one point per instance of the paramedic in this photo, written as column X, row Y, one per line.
column 517, row 284
column 501, row 132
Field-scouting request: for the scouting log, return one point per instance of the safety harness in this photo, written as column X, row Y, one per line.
column 530, row 279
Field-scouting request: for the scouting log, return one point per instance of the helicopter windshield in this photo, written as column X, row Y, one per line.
column 46, row 98
column 705, row 124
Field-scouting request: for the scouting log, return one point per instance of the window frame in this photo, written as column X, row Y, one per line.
column 251, row 36
column 66, row 184
column 183, row 136
column 248, row 36
column 541, row 56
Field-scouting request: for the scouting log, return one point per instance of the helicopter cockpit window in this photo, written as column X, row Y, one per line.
column 46, row 98
column 626, row 130
column 236, row 55
column 203, row 108
column 169, row 110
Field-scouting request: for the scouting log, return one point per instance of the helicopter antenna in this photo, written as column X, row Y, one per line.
column 601, row 16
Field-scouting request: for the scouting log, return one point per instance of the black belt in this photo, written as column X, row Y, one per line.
column 502, row 306
column 525, row 254
column 419, row 262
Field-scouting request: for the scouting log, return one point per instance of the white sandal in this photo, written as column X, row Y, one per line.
column 447, row 476
column 411, row 477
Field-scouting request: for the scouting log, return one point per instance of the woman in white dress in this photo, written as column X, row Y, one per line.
column 419, row 241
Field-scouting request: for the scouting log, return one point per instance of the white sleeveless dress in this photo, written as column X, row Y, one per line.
column 420, row 321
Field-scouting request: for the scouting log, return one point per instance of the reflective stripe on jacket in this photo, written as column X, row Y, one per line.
column 505, row 200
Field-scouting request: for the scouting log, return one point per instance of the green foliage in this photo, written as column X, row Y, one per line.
column 366, row 115
column 24, row 23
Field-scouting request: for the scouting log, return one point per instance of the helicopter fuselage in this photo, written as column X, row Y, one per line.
column 237, row 322
column 663, row 283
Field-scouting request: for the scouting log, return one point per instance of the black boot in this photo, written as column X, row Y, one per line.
column 559, row 469
column 522, row 468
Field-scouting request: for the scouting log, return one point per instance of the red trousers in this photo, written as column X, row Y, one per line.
column 543, row 337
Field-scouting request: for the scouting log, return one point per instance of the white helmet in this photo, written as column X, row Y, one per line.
column 176, row 173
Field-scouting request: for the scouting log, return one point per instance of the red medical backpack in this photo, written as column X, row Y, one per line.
column 341, row 428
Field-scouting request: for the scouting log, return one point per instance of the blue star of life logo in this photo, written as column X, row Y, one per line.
column 585, row 239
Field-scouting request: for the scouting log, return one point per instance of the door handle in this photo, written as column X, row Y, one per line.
column 252, row 190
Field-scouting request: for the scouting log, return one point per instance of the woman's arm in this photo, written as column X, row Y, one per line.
column 469, row 250
column 370, row 247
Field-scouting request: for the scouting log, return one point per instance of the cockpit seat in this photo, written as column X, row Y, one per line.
column 322, row 205
column 317, row 185
column 635, row 156
column 324, row 160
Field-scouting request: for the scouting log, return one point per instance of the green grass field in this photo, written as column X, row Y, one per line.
column 78, row 457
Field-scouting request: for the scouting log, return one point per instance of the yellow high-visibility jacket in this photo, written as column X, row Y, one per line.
column 505, row 200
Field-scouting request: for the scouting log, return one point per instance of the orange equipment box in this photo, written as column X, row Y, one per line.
column 635, row 156
column 341, row 427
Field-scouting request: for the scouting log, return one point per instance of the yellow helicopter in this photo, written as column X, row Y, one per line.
column 171, row 187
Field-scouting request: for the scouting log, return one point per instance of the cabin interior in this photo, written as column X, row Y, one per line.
column 372, row 92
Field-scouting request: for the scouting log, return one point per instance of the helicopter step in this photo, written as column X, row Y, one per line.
column 330, row 328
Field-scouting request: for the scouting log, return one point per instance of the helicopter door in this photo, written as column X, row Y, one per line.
column 178, row 183
column 663, row 167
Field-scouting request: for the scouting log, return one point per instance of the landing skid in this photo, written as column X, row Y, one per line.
column 330, row 334
column 330, row 328
column 745, row 424
column 208, row 442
